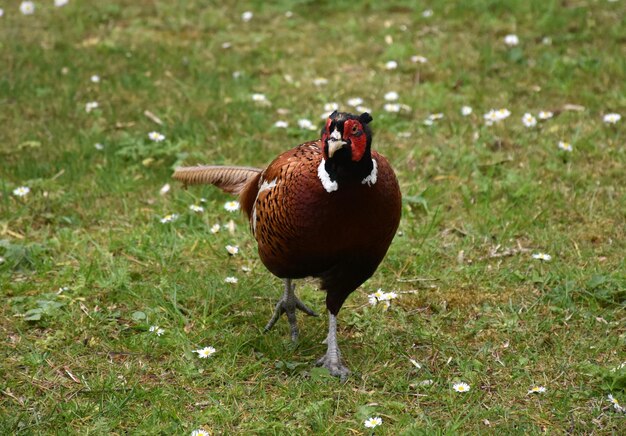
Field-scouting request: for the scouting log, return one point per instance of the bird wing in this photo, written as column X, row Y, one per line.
column 229, row 179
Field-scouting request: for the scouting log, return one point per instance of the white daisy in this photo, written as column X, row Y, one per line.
column 528, row 120
column 281, row 124
column 320, row 81
column 466, row 110
column 427, row 13
column 373, row 422
column 565, row 146
column 156, row 330
column 511, row 40
column 95, row 78
column 435, row 117
column 391, row 96
column 232, row 280
column 616, row 405
column 232, row 249
column 546, row 40
column 391, row 65
column 59, row 3
column 27, row 8
column 196, row 208
column 200, row 432
column 232, row 206
column 417, row 59
column 537, row 390
column 246, row 268
column 2, row 260
column 611, row 118
column 355, row 101
column 545, row 115
column 215, row 228
column 98, row 146
column 542, row 256
column 21, row 191
column 305, row 123
column 237, row 74
column 169, row 218
column 461, row 387
column 89, row 106
column 165, row 189
column 1, row 12
column 392, row 107
column 156, row 136
column 247, row 16
column 288, row 14
column 330, row 107
column 259, row 98
column 205, row 352
column 428, row 122
column 362, row 109
column 494, row 116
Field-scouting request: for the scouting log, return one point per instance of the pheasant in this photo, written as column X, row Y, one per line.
column 327, row 209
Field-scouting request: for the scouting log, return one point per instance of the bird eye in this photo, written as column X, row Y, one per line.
column 355, row 129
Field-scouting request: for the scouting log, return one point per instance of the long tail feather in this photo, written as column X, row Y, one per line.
column 228, row 179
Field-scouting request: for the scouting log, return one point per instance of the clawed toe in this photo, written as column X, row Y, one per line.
column 288, row 304
column 334, row 366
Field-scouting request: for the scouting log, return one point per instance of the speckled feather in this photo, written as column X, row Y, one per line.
column 301, row 229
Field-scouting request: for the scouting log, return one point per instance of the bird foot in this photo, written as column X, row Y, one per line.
column 334, row 366
column 289, row 306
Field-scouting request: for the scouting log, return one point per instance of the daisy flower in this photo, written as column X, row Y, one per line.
column 205, row 352
column 466, row 110
column 247, row 16
column 237, row 74
column 59, row 3
column 281, row 124
column 215, row 228
column 435, row 117
column 232, row 249
column 391, row 65
column 391, row 96
column 259, row 98
column 98, row 146
column 616, row 405
column 511, row 40
column 2, row 260
column 392, row 107
column 427, row 13
column 21, row 191
column 169, row 218
column 156, row 136
column 95, row 78
column 156, row 330
column 537, row 390
column 542, row 256
column 232, row 206
column 373, row 422
column 200, row 432
column 494, row 116
column 196, row 208
column 1, row 12
column 89, row 106
column 320, row 81
column 363, row 109
column 232, row 280
column 565, row 146
column 27, row 8
column 611, row 118
column 305, row 123
column 164, row 189
column 330, row 107
column 545, row 115
column 461, row 387
column 417, row 59
column 355, row 101
column 528, row 120
column 227, row 45
column 246, row 268
column 428, row 122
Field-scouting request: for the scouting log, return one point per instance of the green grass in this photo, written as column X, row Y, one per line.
column 83, row 361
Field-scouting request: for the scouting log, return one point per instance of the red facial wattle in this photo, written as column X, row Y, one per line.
column 353, row 132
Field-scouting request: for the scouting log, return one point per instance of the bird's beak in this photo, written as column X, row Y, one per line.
column 335, row 143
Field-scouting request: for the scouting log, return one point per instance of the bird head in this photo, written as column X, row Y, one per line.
column 347, row 137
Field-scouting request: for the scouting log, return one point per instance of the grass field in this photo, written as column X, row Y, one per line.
column 87, row 266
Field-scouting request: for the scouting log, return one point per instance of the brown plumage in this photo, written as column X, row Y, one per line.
column 327, row 209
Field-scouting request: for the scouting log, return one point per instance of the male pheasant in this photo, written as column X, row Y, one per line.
column 327, row 209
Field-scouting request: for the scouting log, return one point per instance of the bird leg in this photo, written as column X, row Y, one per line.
column 288, row 304
column 332, row 359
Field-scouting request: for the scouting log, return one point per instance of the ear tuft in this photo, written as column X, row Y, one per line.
column 365, row 118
